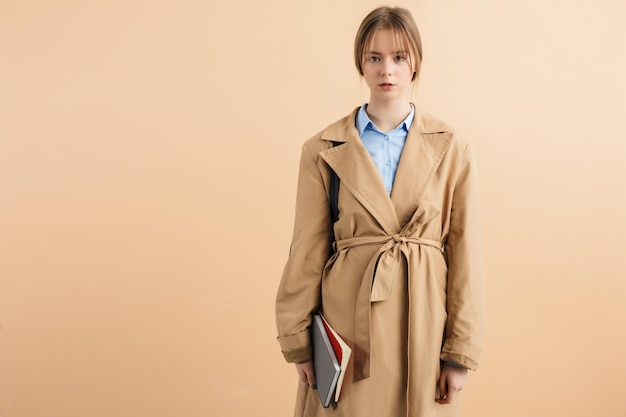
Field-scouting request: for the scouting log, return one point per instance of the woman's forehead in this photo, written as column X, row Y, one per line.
column 389, row 40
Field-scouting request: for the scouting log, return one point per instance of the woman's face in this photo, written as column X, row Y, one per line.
column 386, row 70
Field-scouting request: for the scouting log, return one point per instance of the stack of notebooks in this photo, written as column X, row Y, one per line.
column 330, row 359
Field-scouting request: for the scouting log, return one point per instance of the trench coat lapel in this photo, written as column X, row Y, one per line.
column 357, row 172
column 425, row 146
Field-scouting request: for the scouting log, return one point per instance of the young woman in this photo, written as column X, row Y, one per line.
column 399, row 274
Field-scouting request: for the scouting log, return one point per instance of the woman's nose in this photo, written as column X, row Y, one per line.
column 386, row 69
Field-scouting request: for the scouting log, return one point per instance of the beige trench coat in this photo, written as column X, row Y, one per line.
column 404, row 287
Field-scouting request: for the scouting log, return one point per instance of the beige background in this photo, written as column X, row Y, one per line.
column 148, row 159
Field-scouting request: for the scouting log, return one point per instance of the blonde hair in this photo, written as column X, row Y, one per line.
column 404, row 29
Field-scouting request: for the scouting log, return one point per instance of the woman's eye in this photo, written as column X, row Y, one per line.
column 374, row 59
column 400, row 58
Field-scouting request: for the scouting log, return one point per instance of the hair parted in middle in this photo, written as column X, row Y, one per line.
column 400, row 21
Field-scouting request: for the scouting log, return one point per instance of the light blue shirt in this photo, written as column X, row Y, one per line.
column 385, row 148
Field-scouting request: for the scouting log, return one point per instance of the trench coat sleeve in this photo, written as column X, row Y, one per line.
column 465, row 295
column 299, row 290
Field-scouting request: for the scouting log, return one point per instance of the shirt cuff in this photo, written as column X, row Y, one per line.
column 456, row 365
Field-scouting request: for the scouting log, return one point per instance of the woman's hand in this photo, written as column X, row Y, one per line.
column 306, row 373
column 451, row 381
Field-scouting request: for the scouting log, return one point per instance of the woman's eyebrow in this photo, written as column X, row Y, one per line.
column 396, row 52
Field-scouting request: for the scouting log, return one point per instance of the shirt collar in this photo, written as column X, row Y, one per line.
column 363, row 121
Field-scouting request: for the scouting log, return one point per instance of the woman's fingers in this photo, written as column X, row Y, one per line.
column 301, row 373
column 443, row 389
column 451, row 381
column 306, row 373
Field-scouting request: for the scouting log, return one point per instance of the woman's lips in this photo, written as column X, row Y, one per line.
column 386, row 86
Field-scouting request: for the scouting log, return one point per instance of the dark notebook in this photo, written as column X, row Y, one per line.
column 325, row 362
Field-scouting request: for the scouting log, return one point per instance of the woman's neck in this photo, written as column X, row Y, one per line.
column 388, row 115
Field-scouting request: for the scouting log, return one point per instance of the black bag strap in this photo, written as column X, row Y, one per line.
column 334, row 192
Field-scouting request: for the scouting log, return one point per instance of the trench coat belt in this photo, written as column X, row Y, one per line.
column 376, row 285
